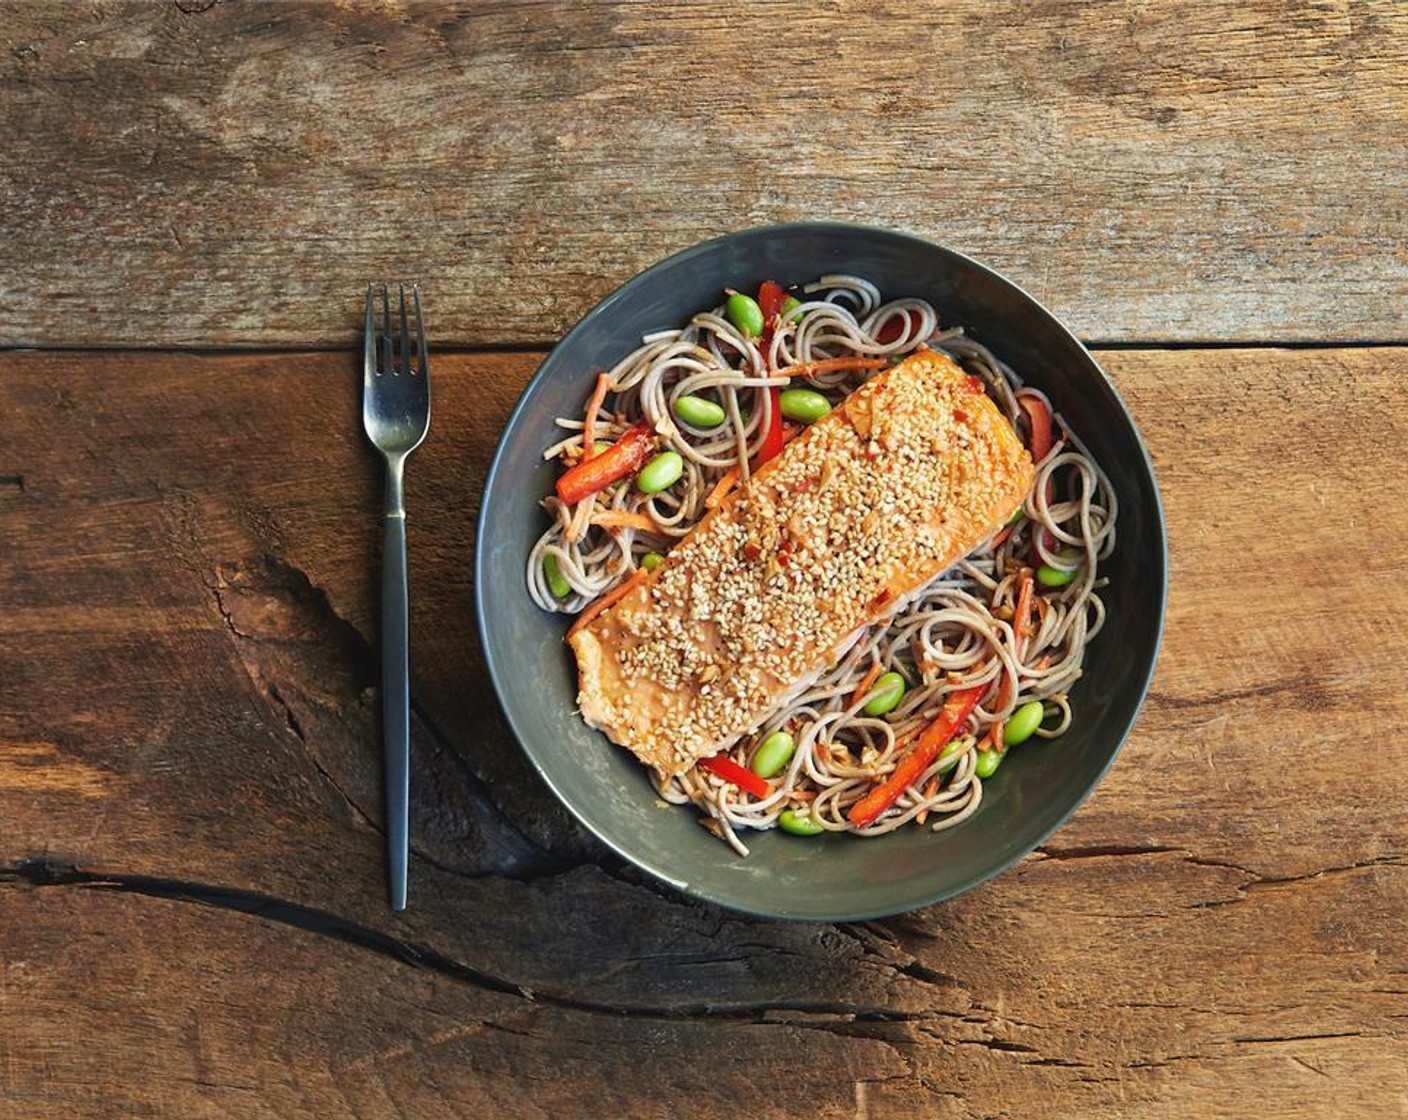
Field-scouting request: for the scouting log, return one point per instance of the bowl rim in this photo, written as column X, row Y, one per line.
column 646, row 862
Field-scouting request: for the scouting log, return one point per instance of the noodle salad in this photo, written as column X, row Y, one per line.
column 920, row 709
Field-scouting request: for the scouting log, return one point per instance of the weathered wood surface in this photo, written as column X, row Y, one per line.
column 230, row 174
column 191, row 902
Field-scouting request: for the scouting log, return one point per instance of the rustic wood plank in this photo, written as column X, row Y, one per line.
column 187, row 619
column 232, row 174
column 1033, row 996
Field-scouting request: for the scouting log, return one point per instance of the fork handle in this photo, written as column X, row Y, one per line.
column 396, row 700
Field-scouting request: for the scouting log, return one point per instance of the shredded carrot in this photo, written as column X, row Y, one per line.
column 998, row 742
column 865, row 684
column 1022, row 623
column 803, row 795
column 931, row 787
column 599, row 604
column 625, row 519
column 603, row 386
column 827, row 365
column 721, row 489
column 1041, row 606
column 1004, row 691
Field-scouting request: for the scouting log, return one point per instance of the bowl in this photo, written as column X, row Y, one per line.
column 833, row 877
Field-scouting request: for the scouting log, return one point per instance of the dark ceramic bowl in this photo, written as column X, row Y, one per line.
column 833, row 877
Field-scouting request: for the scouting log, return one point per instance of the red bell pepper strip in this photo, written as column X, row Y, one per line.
column 895, row 326
column 1039, row 417
column 740, row 776
column 957, row 708
column 624, row 456
column 772, row 440
column 771, row 297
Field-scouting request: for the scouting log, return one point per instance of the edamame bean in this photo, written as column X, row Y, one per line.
column 651, row 560
column 790, row 821
column 806, row 406
column 773, row 756
column 698, row 411
column 745, row 314
column 789, row 305
column 1048, row 576
column 886, row 695
column 988, row 762
column 557, row 582
column 949, row 756
column 1018, row 515
column 660, row 473
column 1023, row 723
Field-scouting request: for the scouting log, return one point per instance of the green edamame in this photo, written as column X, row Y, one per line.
column 651, row 560
column 988, row 762
column 806, row 406
column 557, row 582
column 745, row 314
column 789, row 820
column 949, row 756
column 774, row 754
column 660, row 473
column 789, row 305
column 886, row 695
column 699, row 412
column 1048, row 576
column 1017, row 516
column 1023, row 723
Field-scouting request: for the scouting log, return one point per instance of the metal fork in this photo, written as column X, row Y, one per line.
column 396, row 414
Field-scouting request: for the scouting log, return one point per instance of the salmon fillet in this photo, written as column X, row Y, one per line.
column 908, row 475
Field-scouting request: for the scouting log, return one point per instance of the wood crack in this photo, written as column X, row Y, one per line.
column 41, row 873
column 1255, row 880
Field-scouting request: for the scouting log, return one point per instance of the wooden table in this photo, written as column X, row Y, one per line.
column 192, row 920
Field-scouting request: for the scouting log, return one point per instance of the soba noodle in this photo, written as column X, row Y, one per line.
column 955, row 634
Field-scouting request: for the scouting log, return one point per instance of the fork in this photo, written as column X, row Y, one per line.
column 396, row 414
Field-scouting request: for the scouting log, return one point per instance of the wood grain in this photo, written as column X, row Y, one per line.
column 1106, row 987
column 191, row 910
column 224, row 174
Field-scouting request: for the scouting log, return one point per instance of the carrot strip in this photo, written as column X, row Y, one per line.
column 603, row 386
column 625, row 519
column 957, row 708
column 828, row 365
column 601, row 602
column 1022, row 623
column 721, row 489
column 1004, row 692
column 865, row 684
column 931, row 787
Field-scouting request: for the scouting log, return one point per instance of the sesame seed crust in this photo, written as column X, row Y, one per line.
column 905, row 477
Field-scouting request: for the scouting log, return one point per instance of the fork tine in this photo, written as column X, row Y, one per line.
column 403, row 342
column 369, row 336
column 420, row 335
column 386, row 353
